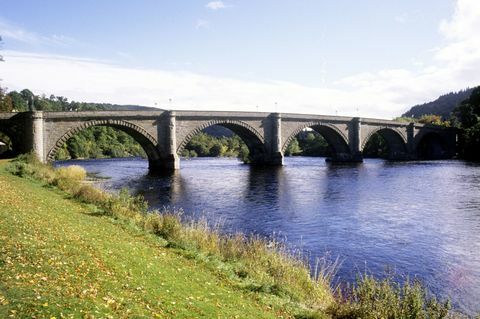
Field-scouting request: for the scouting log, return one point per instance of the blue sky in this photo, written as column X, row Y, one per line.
column 368, row 58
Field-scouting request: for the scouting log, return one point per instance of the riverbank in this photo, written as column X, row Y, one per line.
column 60, row 258
column 114, row 237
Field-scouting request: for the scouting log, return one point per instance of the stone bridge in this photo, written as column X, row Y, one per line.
column 164, row 134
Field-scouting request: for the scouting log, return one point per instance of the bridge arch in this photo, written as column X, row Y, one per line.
column 395, row 140
column 6, row 145
column 431, row 146
column 140, row 135
column 249, row 135
column 336, row 139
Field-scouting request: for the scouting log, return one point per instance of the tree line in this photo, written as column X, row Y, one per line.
column 26, row 100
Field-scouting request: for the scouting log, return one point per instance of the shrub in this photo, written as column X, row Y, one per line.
column 171, row 227
column 372, row 298
column 89, row 194
column 153, row 223
column 72, row 172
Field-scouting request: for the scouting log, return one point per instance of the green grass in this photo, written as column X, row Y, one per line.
column 60, row 260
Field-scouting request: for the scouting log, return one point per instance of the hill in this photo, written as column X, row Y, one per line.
column 442, row 106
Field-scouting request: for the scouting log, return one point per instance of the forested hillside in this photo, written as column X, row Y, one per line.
column 442, row 106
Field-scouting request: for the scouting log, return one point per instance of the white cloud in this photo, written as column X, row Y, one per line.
column 202, row 24
column 87, row 80
column 16, row 33
column 465, row 22
column 215, row 5
column 453, row 66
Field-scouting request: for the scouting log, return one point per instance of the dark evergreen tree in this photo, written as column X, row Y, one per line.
column 468, row 117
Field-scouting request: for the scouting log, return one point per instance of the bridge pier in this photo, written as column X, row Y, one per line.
column 354, row 141
column 36, row 134
column 275, row 158
column 171, row 161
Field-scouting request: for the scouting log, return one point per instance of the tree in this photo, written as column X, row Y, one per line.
column 29, row 97
column 293, row 148
column 5, row 101
column 468, row 116
column 433, row 119
column 19, row 104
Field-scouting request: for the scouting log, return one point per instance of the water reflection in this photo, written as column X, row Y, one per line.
column 419, row 218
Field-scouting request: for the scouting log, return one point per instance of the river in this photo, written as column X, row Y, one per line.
column 416, row 219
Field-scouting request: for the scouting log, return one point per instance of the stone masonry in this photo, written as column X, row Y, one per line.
column 164, row 134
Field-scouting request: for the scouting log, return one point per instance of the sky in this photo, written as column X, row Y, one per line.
column 367, row 58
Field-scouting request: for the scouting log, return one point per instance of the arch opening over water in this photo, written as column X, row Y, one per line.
column 216, row 141
column 331, row 143
column 431, row 146
column 308, row 143
column 111, row 139
column 385, row 143
column 248, row 135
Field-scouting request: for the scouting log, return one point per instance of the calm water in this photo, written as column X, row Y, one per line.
column 417, row 219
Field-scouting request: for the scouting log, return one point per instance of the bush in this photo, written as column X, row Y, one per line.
column 171, row 227
column 372, row 298
column 89, row 194
column 153, row 223
column 73, row 172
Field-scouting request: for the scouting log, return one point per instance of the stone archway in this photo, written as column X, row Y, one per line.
column 431, row 146
column 336, row 139
column 141, row 136
column 396, row 143
column 6, row 145
column 249, row 135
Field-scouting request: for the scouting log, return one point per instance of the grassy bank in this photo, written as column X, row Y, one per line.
column 69, row 249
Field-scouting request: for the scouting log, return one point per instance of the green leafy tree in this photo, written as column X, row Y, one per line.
column 433, row 119
column 19, row 103
column 308, row 144
column 293, row 148
column 314, row 145
column 205, row 145
column 5, row 101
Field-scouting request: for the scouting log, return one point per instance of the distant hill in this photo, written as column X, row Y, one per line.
column 218, row 131
column 442, row 106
